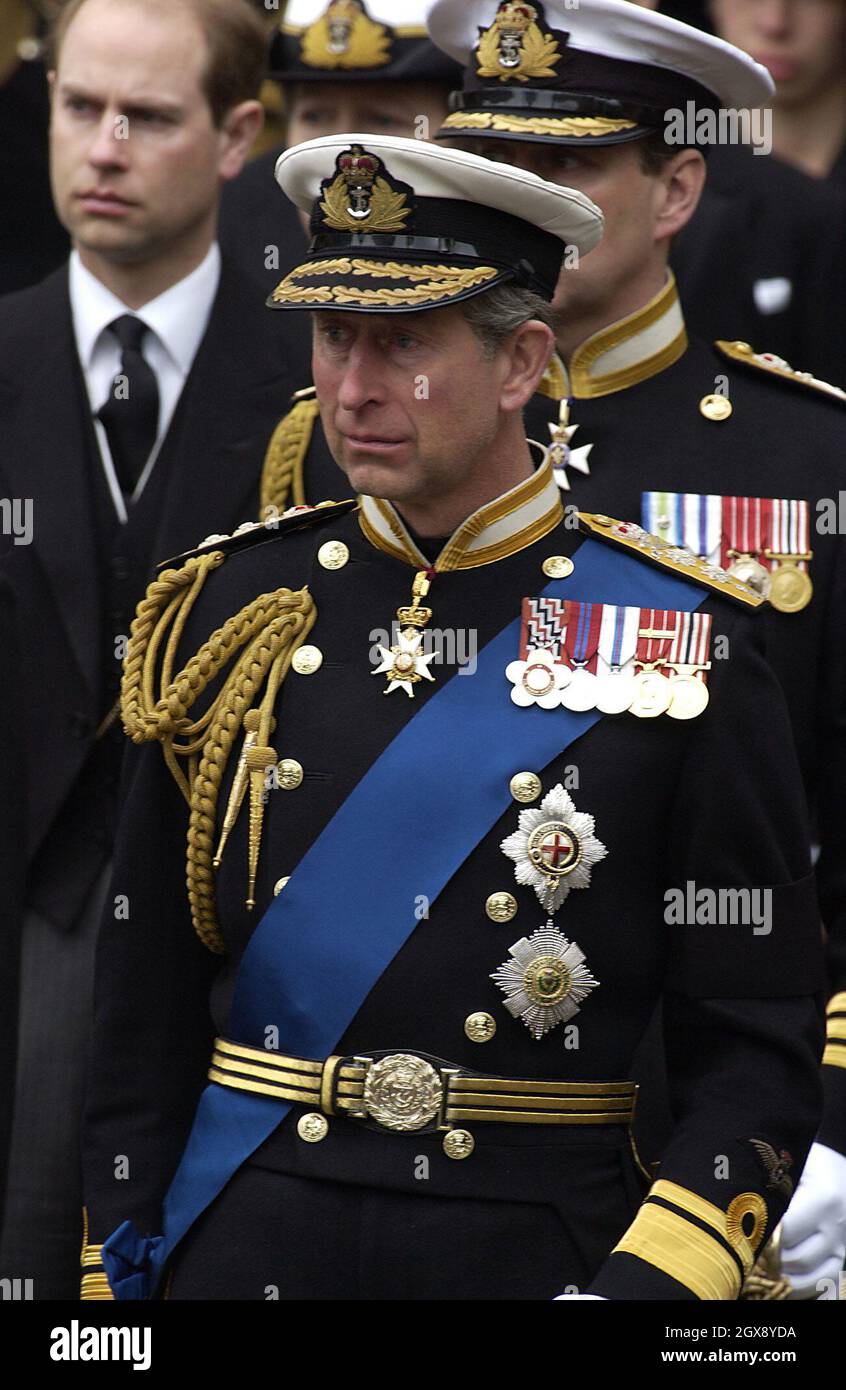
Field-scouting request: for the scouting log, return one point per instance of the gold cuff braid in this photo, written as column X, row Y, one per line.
column 258, row 644
column 282, row 482
column 95, row 1283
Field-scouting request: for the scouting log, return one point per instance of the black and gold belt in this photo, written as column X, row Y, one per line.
column 412, row 1091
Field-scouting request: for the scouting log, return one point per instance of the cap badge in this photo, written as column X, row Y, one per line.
column 346, row 37
column 516, row 46
column 360, row 197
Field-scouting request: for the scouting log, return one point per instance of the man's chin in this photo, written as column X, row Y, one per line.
column 378, row 478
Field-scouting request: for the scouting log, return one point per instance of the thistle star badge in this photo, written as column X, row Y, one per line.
column 554, row 848
column 406, row 663
column 545, row 980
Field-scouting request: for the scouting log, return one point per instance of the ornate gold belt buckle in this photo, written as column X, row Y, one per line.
column 403, row 1092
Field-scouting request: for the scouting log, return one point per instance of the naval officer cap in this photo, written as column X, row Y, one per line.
column 601, row 72
column 359, row 41
column 399, row 225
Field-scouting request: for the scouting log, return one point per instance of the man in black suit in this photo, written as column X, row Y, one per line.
column 137, row 387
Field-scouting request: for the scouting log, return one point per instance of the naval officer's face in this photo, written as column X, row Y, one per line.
column 136, row 159
column 413, row 109
column 408, row 402
column 643, row 211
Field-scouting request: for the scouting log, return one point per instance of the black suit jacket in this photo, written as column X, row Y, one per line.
column 206, row 479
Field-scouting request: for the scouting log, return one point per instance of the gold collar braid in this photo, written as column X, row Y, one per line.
column 259, row 643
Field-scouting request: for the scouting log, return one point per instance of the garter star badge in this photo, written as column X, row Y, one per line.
column 554, row 848
column 545, row 980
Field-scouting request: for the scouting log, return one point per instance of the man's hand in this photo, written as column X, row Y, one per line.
column 813, row 1238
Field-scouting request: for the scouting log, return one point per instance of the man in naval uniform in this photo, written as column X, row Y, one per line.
column 713, row 446
column 411, row 963
column 341, row 65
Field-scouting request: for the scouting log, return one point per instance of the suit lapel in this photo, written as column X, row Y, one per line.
column 239, row 386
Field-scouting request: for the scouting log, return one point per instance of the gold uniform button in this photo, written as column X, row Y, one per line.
column 279, row 885
column 459, row 1143
column 307, row 660
column 501, row 907
column 290, row 773
column 479, row 1027
column 526, row 786
column 716, row 407
column 333, row 555
column 558, row 566
column 312, row 1127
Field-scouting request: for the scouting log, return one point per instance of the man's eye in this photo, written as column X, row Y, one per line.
column 78, row 104
column 405, row 341
column 335, row 337
column 314, row 117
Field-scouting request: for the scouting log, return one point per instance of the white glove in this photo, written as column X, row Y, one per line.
column 581, row 1298
column 813, row 1231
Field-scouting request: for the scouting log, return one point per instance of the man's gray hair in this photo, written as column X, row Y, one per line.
column 496, row 314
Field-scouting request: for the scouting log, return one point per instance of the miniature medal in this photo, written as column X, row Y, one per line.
column 688, row 661
column 615, row 689
column 580, row 644
column 538, row 680
column 652, row 689
column 406, row 663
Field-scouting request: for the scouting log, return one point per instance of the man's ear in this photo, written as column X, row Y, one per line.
column 528, row 352
column 680, row 185
column 241, row 127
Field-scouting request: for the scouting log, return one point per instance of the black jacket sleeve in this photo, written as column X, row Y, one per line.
column 153, row 1032
column 742, row 1021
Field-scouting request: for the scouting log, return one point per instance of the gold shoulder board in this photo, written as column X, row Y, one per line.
column 776, row 366
column 629, row 536
column 255, row 532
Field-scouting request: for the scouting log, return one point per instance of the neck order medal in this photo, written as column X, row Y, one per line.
column 406, row 663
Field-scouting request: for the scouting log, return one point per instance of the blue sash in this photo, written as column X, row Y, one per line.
column 323, row 944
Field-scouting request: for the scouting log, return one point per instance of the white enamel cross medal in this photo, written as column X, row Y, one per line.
column 560, row 453
column 406, row 663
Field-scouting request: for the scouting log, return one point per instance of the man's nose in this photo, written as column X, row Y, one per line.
column 110, row 141
column 774, row 16
column 360, row 382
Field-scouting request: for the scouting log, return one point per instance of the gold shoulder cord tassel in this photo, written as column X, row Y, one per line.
column 282, row 483
column 259, row 644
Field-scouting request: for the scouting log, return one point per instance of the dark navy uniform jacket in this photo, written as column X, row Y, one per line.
column 785, row 438
column 716, row 801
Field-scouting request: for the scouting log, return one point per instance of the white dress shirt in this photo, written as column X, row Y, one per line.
column 177, row 321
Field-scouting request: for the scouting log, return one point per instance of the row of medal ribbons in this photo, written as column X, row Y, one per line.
column 585, row 656
column 763, row 541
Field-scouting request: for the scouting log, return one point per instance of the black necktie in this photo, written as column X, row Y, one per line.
column 131, row 412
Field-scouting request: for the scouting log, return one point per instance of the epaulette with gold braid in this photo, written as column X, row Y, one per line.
column 656, row 551
column 250, row 656
column 282, row 480
column 776, row 366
